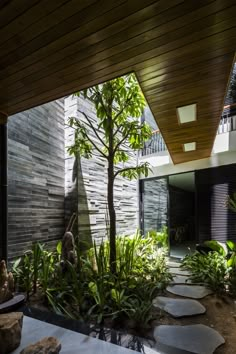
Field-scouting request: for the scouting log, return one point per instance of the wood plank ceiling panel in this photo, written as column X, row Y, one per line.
column 181, row 51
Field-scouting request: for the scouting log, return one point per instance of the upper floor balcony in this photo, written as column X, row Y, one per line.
column 157, row 144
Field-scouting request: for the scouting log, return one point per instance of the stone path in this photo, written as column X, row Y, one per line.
column 192, row 291
column 195, row 338
column 199, row 339
column 179, row 307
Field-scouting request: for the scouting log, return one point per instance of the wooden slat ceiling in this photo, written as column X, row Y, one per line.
column 181, row 51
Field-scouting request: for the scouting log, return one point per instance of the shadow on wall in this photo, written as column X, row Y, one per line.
column 76, row 201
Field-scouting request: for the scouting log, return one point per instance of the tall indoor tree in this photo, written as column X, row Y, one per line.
column 119, row 105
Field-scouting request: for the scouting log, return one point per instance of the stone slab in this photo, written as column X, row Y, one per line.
column 173, row 264
column 71, row 342
column 12, row 304
column 191, row 291
column 198, row 339
column 179, row 271
column 179, row 307
column 181, row 279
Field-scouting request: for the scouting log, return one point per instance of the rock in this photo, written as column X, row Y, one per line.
column 179, row 271
column 47, row 345
column 198, row 339
column 68, row 249
column 6, row 283
column 173, row 264
column 179, row 307
column 180, row 279
column 10, row 331
column 192, row 291
column 68, row 253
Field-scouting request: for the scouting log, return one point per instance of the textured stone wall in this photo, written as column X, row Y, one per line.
column 86, row 185
column 36, row 176
column 154, row 204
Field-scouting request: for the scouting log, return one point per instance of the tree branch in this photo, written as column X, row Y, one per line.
column 123, row 139
column 96, row 147
column 124, row 170
column 91, row 141
column 94, row 130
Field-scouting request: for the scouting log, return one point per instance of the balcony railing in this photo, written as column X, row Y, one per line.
column 156, row 143
column 227, row 124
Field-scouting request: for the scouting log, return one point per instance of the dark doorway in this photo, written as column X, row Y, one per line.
column 182, row 210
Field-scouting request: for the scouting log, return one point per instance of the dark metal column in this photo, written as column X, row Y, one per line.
column 3, row 186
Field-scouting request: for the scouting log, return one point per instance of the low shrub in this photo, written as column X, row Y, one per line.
column 210, row 269
column 91, row 291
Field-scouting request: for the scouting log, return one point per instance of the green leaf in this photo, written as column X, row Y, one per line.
column 231, row 245
column 217, row 246
column 59, row 247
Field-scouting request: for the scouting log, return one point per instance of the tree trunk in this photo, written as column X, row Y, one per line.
column 112, row 216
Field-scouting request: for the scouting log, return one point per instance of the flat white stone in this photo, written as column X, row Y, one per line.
column 179, row 307
column 71, row 342
column 173, row 264
column 179, row 271
column 199, row 339
column 192, row 291
column 181, row 279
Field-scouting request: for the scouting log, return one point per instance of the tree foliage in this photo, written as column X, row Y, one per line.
column 119, row 105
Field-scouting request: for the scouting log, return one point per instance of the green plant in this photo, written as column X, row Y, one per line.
column 139, row 311
column 231, row 262
column 210, row 269
column 90, row 290
column 22, row 272
column 217, row 247
column 47, row 270
column 161, row 237
column 119, row 104
column 37, row 252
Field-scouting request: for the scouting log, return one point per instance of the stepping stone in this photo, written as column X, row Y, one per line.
column 179, row 271
column 198, row 339
column 192, row 291
column 173, row 264
column 181, row 279
column 166, row 349
column 179, row 307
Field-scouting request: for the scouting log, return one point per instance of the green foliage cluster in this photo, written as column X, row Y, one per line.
column 35, row 268
column 216, row 268
column 160, row 237
column 208, row 268
column 119, row 104
column 92, row 291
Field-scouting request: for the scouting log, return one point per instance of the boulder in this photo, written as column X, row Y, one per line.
column 10, row 331
column 6, row 283
column 47, row 345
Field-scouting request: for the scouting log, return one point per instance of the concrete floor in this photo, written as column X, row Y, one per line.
column 71, row 342
column 180, row 250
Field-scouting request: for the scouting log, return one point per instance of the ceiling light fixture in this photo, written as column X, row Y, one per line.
column 187, row 114
column 189, row 146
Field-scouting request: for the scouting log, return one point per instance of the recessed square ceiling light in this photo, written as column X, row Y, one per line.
column 187, row 114
column 189, row 146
